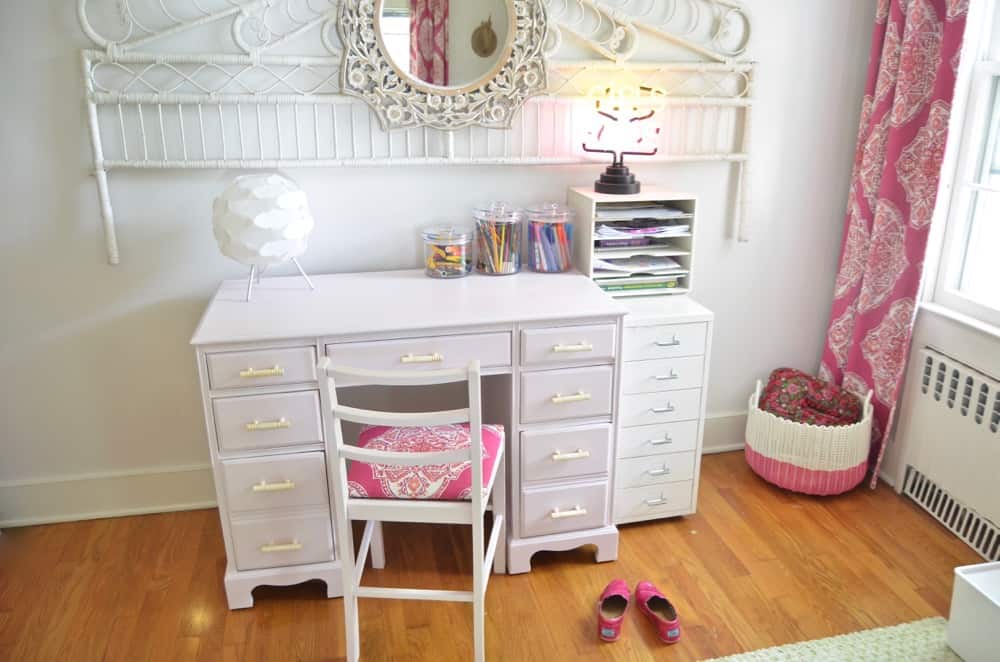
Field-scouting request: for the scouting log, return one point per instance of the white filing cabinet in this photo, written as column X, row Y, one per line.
column 666, row 343
column 665, row 351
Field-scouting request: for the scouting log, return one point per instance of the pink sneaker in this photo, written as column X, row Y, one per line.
column 611, row 610
column 659, row 610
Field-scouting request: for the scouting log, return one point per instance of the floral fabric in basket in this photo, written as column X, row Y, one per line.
column 799, row 397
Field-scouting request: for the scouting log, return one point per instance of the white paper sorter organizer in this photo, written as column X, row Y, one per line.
column 550, row 350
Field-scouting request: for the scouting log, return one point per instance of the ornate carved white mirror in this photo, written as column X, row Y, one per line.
column 445, row 64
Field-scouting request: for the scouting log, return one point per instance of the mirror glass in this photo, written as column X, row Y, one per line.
column 446, row 43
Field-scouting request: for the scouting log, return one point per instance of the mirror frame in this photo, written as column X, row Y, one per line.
column 401, row 101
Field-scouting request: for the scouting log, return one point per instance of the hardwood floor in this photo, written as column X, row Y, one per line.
column 756, row 567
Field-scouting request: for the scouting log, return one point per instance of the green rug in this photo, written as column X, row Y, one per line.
column 919, row 641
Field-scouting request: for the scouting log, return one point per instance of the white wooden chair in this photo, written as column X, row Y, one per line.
column 470, row 511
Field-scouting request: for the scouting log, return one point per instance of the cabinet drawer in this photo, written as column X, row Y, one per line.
column 663, row 341
column 267, row 421
column 649, row 408
column 654, row 469
column 654, row 439
column 570, row 393
column 566, row 453
column 653, row 501
column 262, row 367
column 281, row 481
column 568, row 344
column 662, row 374
column 279, row 541
column 557, row 509
column 431, row 353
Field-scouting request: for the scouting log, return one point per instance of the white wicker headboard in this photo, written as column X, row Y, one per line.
column 256, row 84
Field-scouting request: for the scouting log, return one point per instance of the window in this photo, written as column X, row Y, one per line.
column 968, row 278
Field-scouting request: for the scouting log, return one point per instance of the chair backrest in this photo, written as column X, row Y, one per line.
column 337, row 413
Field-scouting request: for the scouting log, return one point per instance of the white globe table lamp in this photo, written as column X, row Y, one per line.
column 262, row 220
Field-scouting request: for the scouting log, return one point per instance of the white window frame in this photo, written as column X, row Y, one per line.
column 978, row 72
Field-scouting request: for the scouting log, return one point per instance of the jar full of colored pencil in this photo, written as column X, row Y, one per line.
column 550, row 237
column 498, row 233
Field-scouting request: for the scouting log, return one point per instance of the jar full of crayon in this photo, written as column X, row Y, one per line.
column 447, row 251
column 550, row 237
column 498, row 239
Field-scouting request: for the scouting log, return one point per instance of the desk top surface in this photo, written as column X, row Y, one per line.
column 385, row 301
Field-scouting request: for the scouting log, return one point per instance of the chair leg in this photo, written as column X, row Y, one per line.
column 377, row 549
column 345, row 544
column 478, row 591
column 500, row 506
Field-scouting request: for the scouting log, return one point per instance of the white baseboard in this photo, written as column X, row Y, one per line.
column 105, row 494
column 724, row 432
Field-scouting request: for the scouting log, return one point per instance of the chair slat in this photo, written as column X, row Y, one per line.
column 394, row 378
column 395, row 419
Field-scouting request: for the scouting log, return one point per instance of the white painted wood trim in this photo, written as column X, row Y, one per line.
column 96, row 495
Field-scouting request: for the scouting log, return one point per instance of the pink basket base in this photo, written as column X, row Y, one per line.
column 807, row 481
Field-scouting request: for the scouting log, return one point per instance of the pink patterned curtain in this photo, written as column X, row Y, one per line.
column 429, row 40
column 904, row 125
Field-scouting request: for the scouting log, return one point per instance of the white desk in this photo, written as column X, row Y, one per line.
column 539, row 338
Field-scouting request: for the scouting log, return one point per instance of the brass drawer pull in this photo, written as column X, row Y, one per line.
column 578, row 454
column 257, row 426
column 576, row 511
column 579, row 396
column 293, row 546
column 276, row 371
column 421, row 358
column 579, row 347
column 283, row 486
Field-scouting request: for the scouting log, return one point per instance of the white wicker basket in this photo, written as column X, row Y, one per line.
column 813, row 459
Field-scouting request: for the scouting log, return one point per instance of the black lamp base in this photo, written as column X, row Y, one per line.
column 617, row 180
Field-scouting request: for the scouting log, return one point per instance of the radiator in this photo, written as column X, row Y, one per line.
column 949, row 423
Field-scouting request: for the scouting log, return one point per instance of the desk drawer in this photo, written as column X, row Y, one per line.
column 267, row 421
column 654, row 439
column 262, row 367
column 281, row 481
column 653, row 501
column 280, row 541
column 654, row 469
column 662, row 374
column 558, row 509
column 430, row 353
column 570, row 393
column 664, row 341
column 649, row 408
column 569, row 453
column 567, row 344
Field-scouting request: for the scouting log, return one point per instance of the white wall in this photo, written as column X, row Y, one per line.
column 100, row 396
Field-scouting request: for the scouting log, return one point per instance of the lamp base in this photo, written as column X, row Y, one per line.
column 257, row 272
column 617, row 180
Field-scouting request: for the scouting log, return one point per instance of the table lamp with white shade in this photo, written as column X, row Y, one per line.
column 263, row 220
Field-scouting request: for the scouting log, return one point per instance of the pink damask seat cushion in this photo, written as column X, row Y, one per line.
column 434, row 481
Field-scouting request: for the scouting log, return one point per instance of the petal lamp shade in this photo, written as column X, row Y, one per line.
column 262, row 220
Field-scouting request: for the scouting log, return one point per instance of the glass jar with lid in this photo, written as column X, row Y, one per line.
column 498, row 238
column 550, row 237
column 447, row 251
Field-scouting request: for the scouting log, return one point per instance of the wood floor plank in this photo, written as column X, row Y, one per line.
column 756, row 567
